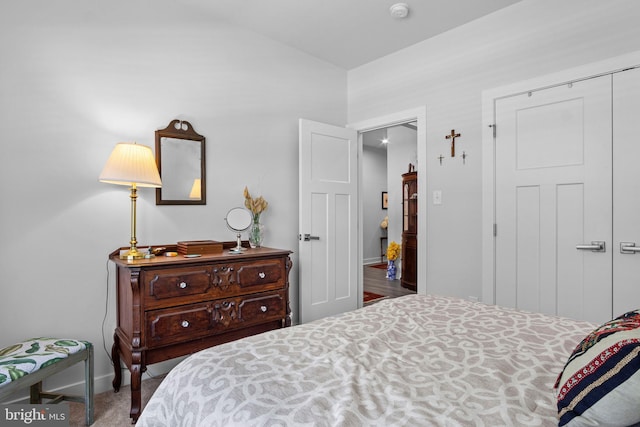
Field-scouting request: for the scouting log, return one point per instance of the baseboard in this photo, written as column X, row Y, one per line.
column 101, row 383
column 105, row 382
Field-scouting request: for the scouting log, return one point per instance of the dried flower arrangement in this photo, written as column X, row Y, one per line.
column 256, row 206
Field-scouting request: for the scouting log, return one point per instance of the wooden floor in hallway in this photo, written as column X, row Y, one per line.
column 374, row 280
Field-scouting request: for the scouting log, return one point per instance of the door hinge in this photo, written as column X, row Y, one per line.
column 495, row 230
column 493, row 127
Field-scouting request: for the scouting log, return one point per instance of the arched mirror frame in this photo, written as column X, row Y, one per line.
column 181, row 129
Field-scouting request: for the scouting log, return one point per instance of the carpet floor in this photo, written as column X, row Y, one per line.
column 112, row 409
column 382, row 265
column 370, row 297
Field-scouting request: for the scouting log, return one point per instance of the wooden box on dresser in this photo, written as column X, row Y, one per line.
column 174, row 306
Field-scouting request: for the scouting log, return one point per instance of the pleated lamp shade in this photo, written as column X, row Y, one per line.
column 129, row 164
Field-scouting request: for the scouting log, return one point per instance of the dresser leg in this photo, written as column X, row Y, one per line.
column 287, row 317
column 115, row 358
column 136, row 382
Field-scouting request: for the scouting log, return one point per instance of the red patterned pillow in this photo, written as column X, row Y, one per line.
column 600, row 383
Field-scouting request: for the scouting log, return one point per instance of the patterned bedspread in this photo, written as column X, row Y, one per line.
column 410, row 361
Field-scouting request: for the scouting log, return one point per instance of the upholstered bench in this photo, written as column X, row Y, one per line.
column 27, row 363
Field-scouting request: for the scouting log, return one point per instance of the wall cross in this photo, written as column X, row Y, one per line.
column 453, row 137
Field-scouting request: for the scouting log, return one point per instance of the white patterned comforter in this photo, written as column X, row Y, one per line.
column 411, row 361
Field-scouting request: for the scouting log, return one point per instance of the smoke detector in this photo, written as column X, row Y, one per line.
column 399, row 10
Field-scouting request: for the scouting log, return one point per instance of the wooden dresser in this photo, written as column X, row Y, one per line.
column 174, row 306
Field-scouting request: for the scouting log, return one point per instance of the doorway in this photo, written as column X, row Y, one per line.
column 419, row 116
column 386, row 153
column 334, row 143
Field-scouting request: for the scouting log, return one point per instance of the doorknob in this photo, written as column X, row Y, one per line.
column 629, row 248
column 308, row 237
column 595, row 246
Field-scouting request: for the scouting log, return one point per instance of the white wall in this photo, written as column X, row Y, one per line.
column 401, row 150
column 381, row 171
column 448, row 74
column 78, row 77
column 374, row 177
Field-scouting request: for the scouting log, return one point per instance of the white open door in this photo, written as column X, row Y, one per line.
column 328, row 247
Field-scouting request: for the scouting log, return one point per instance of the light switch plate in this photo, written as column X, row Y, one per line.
column 437, row 197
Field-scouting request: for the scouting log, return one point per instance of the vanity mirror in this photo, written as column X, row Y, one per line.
column 180, row 155
column 238, row 220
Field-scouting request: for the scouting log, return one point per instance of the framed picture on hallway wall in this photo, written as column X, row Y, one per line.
column 385, row 200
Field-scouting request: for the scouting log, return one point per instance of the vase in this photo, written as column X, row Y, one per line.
column 391, row 269
column 256, row 233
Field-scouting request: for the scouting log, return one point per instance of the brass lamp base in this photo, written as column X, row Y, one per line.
column 132, row 254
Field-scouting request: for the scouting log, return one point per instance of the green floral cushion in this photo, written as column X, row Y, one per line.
column 26, row 357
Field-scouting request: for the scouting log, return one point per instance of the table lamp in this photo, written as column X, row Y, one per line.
column 131, row 164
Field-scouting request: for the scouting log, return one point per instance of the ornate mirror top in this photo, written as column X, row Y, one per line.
column 180, row 155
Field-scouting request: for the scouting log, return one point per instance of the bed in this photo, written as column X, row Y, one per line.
column 410, row 361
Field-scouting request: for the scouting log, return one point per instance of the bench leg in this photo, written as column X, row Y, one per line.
column 88, row 386
column 35, row 392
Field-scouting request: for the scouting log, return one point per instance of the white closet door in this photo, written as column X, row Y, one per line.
column 554, row 196
column 626, row 185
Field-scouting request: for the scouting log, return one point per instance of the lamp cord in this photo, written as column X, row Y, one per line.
column 104, row 320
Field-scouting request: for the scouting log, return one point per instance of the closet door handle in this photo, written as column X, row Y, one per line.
column 629, row 248
column 596, row 246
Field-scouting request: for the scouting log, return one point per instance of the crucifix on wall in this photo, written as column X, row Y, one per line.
column 453, row 137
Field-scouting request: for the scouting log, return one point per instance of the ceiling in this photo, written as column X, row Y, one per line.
column 347, row 33
column 374, row 138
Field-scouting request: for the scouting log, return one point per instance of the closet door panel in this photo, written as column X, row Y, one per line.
column 553, row 199
column 626, row 190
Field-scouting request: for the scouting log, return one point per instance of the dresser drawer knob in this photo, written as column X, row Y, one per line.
column 185, row 323
column 262, row 275
column 182, row 285
column 263, row 308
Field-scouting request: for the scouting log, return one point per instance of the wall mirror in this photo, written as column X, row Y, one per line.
column 181, row 162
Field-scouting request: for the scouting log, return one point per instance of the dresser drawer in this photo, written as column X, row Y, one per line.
column 171, row 325
column 240, row 312
column 261, row 273
column 238, row 278
column 262, row 308
column 174, row 283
